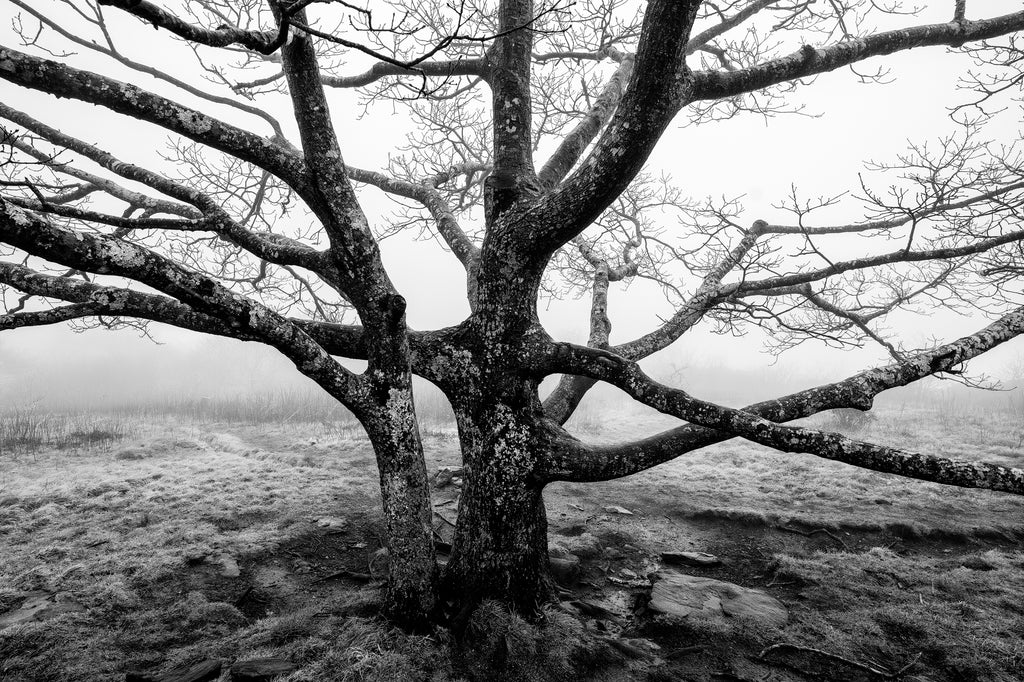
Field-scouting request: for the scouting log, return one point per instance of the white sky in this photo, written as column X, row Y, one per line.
column 749, row 155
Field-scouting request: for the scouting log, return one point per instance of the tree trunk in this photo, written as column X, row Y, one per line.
column 412, row 573
column 500, row 546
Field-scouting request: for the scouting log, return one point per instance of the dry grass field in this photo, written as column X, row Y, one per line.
column 140, row 541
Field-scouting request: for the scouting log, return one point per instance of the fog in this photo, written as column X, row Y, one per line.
column 59, row 369
column 821, row 151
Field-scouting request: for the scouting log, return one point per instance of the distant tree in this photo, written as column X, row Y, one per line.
column 253, row 236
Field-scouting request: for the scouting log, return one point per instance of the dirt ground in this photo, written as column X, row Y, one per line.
column 175, row 543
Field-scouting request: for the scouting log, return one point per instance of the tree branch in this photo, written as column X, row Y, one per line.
column 900, row 256
column 264, row 42
column 57, row 79
column 107, row 255
column 809, row 60
column 95, row 299
column 656, row 90
column 332, row 197
column 576, row 461
column 270, row 247
column 571, row 389
column 114, row 54
column 508, row 73
column 446, row 69
column 426, row 193
column 104, row 160
column 700, row 40
column 694, row 308
column 572, row 146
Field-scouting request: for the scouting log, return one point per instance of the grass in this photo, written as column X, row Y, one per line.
column 30, row 430
column 883, row 605
column 130, row 533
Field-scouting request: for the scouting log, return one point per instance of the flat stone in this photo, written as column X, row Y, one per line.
column 614, row 509
column 565, row 569
column 681, row 595
column 690, row 559
column 261, row 669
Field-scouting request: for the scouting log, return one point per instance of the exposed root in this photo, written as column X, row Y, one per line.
column 876, row 670
column 810, row 533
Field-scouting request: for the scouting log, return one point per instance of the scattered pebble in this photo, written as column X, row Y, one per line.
column 613, row 509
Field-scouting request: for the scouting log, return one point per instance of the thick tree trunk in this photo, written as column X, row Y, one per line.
column 500, row 546
column 412, row 576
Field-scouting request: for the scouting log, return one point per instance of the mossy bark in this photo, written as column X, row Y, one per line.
column 500, row 545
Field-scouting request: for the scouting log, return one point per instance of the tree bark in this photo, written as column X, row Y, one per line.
column 500, row 546
column 405, row 495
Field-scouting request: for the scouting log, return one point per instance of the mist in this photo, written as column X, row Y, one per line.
column 99, row 370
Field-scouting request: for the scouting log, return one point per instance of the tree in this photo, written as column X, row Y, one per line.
column 215, row 244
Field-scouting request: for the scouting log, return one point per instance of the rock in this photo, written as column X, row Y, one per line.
column 443, row 531
column 612, row 509
column 593, row 610
column 38, row 606
column 632, row 583
column 332, row 523
column 585, row 546
column 200, row 672
column 261, row 669
column 446, row 476
column 690, row 559
column 681, row 595
column 612, row 553
column 558, row 552
column 632, row 648
column 229, row 567
column 565, row 570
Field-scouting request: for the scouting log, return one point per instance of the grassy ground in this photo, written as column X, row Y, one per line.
column 154, row 541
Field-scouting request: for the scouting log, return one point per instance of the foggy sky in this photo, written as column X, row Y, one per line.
column 760, row 158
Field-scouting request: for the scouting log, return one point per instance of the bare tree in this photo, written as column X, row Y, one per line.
column 586, row 91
